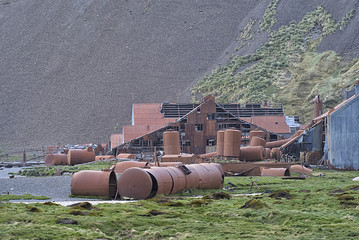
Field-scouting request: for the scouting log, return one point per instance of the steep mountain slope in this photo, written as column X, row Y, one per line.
column 296, row 61
column 70, row 70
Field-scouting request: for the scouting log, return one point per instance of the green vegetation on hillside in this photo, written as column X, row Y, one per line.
column 322, row 207
column 287, row 68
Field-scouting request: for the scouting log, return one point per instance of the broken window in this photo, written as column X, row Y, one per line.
column 210, row 142
column 211, row 116
column 186, row 143
column 198, row 127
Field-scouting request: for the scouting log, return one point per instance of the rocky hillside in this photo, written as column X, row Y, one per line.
column 70, row 70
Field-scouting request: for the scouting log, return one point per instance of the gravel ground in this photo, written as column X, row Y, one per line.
column 56, row 188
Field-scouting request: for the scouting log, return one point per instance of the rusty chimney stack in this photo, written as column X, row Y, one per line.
column 318, row 106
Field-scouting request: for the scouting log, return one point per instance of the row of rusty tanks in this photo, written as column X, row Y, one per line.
column 74, row 156
column 142, row 181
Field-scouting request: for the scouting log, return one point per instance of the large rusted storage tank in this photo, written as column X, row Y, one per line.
column 171, row 143
column 220, row 142
column 257, row 141
column 55, row 159
column 77, row 156
column 257, row 133
column 254, row 153
column 94, row 183
column 232, row 143
column 140, row 183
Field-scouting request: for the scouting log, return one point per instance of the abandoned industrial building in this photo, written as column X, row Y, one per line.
column 198, row 125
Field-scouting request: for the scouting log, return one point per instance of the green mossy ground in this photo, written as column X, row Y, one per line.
column 287, row 68
column 319, row 207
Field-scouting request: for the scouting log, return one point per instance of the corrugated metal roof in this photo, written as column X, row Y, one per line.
column 116, row 139
column 276, row 124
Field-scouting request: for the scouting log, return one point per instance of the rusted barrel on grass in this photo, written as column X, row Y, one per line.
column 55, row 159
column 220, row 142
column 77, row 156
column 252, row 153
column 276, row 172
column 94, row 183
column 232, row 143
column 104, row 157
column 257, row 141
column 142, row 183
column 300, row 169
column 171, row 143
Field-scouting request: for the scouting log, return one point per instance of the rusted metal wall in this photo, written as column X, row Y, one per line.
column 343, row 136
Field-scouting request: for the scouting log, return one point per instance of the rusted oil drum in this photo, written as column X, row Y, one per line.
column 232, row 143
column 104, row 157
column 220, row 142
column 163, row 179
column 55, row 159
column 257, row 141
column 275, row 153
column 171, row 143
column 276, row 144
column 178, row 178
column 267, row 153
column 94, row 183
column 122, row 166
column 136, row 183
column 254, row 153
column 276, row 172
column 209, row 176
column 77, row 156
column 300, row 169
column 220, row 170
column 257, row 133
column 192, row 179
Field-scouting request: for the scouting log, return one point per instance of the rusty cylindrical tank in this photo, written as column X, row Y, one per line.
column 171, row 143
column 300, row 169
column 55, row 159
column 220, row 142
column 120, row 167
column 232, row 143
column 275, row 154
column 276, row 172
column 94, row 183
column 257, row 141
column 210, row 175
column 252, row 153
column 104, row 157
column 140, row 183
column 77, row 156
column 267, row 153
column 257, row 133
